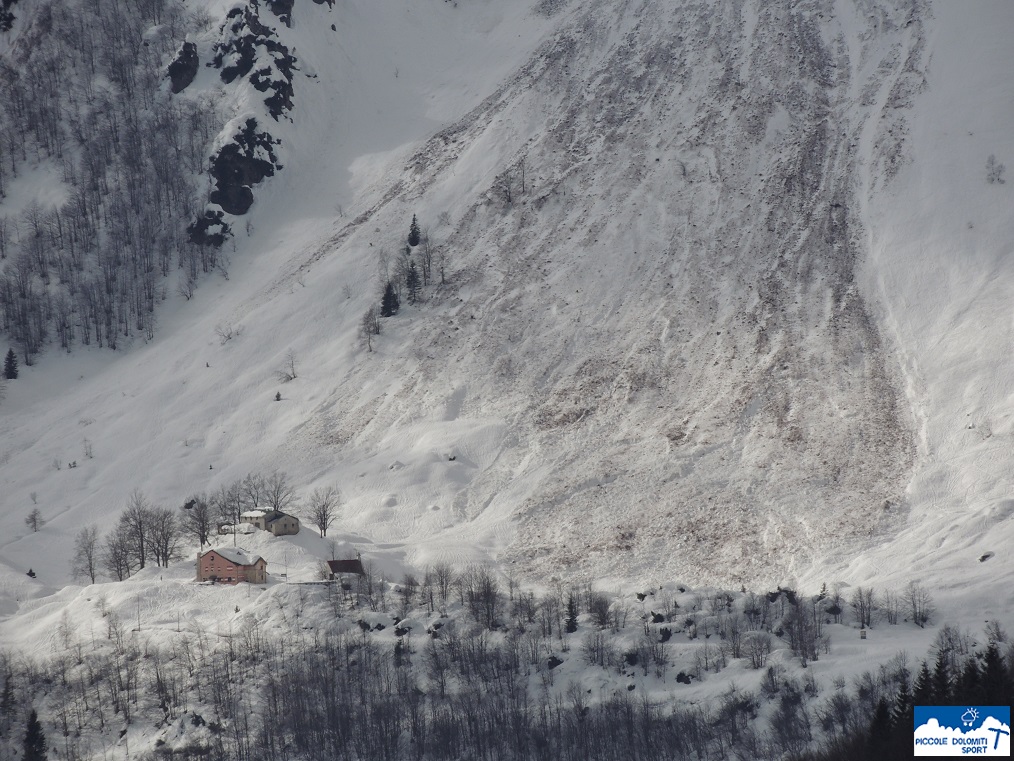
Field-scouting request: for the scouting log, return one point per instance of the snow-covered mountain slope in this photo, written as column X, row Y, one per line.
column 719, row 332
column 939, row 270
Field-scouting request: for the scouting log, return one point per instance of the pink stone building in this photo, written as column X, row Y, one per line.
column 231, row 565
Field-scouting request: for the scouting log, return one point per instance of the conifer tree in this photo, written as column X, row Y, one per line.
column 35, row 740
column 10, row 365
column 389, row 304
column 941, row 680
column 6, row 696
column 898, row 738
column 412, row 282
column 879, row 737
column 969, row 683
column 922, row 690
column 571, row 624
column 994, row 677
column 901, row 716
column 413, row 232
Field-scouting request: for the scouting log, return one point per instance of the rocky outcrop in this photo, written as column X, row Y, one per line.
column 242, row 33
column 209, row 230
column 282, row 9
column 245, row 161
column 6, row 16
column 249, row 47
column 277, row 81
column 183, row 68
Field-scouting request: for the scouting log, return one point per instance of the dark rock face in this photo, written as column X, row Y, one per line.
column 242, row 32
column 245, row 40
column 247, row 48
column 183, row 68
column 233, row 199
column 247, row 160
column 267, row 80
column 282, row 9
column 6, row 16
column 209, row 230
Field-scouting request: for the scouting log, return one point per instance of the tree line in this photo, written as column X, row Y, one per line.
column 465, row 664
column 87, row 100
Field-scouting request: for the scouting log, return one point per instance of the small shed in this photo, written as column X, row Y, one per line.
column 339, row 568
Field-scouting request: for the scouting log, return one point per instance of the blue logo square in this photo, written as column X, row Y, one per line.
column 962, row 731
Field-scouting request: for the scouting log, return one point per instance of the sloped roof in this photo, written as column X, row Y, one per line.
column 269, row 514
column 236, row 555
column 346, row 566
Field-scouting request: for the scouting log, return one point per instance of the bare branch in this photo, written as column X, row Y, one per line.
column 322, row 508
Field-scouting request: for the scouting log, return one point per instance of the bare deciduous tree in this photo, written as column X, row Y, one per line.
column 117, row 555
column 253, row 490
column 370, row 326
column 279, row 494
column 322, row 508
column 919, row 602
column 803, row 628
column 226, row 332
column 994, row 170
column 185, row 287
column 34, row 520
column 196, row 518
column 86, row 554
column 229, row 502
column 443, row 579
column 5, row 236
column 135, row 522
column 504, row 186
column 383, row 267
column 426, row 256
column 732, row 629
column 862, row 603
column 442, row 259
column 407, row 592
column 288, row 371
column 403, row 264
column 480, row 591
column 511, row 181
column 890, row 602
column 757, row 646
column 598, row 608
column 163, row 535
